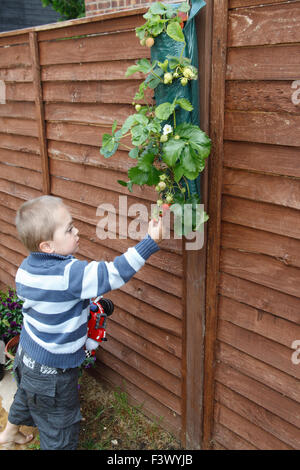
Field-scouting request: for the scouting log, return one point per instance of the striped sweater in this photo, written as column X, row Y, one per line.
column 56, row 291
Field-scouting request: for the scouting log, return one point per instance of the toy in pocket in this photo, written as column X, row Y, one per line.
column 100, row 309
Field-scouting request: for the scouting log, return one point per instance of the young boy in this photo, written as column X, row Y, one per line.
column 56, row 289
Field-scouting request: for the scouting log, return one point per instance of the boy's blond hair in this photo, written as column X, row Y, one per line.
column 35, row 221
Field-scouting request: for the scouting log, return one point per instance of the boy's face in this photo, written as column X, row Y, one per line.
column 65, row 239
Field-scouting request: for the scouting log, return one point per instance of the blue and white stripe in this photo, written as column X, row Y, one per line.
column 56, row 291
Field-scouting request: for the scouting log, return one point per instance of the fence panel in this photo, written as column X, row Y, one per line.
column 81, row 73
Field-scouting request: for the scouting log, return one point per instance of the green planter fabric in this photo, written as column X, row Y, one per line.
column 164, row 46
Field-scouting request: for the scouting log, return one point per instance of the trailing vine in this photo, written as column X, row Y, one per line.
column 167, row 154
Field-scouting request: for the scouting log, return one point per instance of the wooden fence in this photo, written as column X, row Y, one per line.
column 253, row 393
column 237, row 299
column 65, row 85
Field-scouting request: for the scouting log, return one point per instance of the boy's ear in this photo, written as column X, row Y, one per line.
column 46, row 247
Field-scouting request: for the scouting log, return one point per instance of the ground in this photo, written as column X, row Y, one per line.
column 109, row 422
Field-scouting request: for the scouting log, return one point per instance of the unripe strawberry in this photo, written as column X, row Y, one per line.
column 157, row 188
column 143, row 42
column 159, row 202
column 169, row 198
column 164, row 138
column 168, row 77
column 149, row 42
column 184, row 81
column 177, row 137
column 162, row 185
column 163, row 177
column 138, row 107
column 187, row 72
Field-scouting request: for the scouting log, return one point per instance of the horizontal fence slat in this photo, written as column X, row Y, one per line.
column 20, row 143
column 263, row 63
column 268, row 400
column 268, row 96
column 268, row 128
column 117, row 91
column 263, row 216
column 154, row 333
column 225, row 439
column 278, row 190
column 14, row 56
column 13, row 109
column 88, row 113
column 255, row 241
column 20, row 159
column 262, row 323
column 257, row 346
column 264, row 25
column 261, row 269
column 249, row 3
column 268, row 300
column 20, row 74
column 19, row 126
column 122, row 45
column 264, row 158
column 109, row 70
column 259, row 415
column 23, row 176
column 247, row 430
column 275, row 379
column 140, row 353
column 104, row 178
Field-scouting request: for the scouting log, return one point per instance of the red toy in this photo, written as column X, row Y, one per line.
column 100, row 309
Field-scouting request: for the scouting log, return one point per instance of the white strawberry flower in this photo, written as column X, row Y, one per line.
column 167, row 129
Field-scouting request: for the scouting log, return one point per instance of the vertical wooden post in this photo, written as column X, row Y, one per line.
column 195, row 265
column 217, row 99
column 39, row 106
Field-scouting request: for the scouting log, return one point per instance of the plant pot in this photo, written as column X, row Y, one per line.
column 11, row 347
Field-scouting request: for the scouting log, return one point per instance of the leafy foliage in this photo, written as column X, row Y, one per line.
column 68, row 9
column 166, row 155
column 10, row 315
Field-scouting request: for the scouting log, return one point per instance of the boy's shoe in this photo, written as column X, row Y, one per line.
column 1, row 371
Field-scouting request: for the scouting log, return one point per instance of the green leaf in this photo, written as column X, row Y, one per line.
column 157, row 9
column 163, row 65
column 123, row 183
column 146, row 159
column 142, row 65
column 153, row 176
column 164, row 110
column 175, row 32
column 139, row 135
column 129, row 122
column 134, row 153
column 109, row 145
column 138, row 176
column 184, row 7
column 172, row 150
column 114, row 126
column 184, row 104
column 178, row 173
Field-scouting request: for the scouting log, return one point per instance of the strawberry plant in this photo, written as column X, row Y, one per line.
column 167, row 153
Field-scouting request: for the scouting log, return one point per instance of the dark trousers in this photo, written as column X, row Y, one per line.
column 48, row 399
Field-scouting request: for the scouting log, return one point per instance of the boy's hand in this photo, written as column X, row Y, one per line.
column 155, row 229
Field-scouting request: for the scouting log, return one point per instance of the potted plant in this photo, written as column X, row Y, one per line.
column 11, row 319
column 168, row 148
